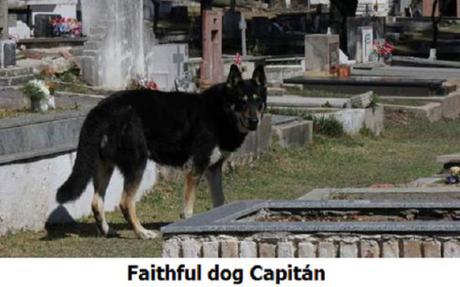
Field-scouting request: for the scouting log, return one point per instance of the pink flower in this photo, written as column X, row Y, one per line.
column 237, row 59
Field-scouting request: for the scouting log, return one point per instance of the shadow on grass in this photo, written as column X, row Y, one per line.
column 56, row 231
column 87, row 230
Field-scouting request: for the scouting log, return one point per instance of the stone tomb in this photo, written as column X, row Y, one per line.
column 321, row 53
column 302, row 228
column 37, row 152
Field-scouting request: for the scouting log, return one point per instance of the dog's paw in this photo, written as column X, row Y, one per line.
column 185, row 215
column 147, row 234
column 112, row 233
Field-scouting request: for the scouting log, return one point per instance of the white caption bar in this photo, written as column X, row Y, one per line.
column 125, row 272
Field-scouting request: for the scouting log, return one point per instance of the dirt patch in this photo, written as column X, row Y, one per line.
column 386, row 215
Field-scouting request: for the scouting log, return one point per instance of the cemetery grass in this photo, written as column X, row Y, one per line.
column 406, row 151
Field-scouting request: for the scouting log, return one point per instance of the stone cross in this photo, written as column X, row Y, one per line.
column 178, row 59
column 243, row 26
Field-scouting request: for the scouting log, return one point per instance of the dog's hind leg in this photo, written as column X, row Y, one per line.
column 128, row 207
column 192, row 179
column 100, row 183
column 214, row 177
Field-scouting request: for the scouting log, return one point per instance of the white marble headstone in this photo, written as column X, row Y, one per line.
column 367, row 44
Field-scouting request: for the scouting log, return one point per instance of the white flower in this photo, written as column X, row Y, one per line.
column 42, row 86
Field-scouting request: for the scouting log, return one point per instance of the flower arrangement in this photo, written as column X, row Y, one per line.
column 383, row 49
column 238, row 60
column 66, row 27
column 143, row 84
column 39, row 95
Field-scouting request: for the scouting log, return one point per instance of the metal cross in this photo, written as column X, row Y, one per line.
column 178, row 59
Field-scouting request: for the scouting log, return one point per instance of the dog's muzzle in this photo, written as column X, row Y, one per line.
column 253, row 123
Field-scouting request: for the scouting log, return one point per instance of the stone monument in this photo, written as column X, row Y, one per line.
column 118, row 48
column 168, row 65
column 321, row 54
column 212, row 65
column 354, row 34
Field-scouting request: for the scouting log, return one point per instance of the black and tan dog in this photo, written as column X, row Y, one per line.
column 194, row 131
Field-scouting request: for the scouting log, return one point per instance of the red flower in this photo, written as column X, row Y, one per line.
column 237, row 59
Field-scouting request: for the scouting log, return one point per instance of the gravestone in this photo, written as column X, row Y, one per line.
column 168, row 65
column 43, row 26
column 7, row 53
column 353, row 32
column 321, row 53
column 365, row 46
column 212, row 65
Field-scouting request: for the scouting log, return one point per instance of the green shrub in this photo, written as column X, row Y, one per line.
column 328, row 126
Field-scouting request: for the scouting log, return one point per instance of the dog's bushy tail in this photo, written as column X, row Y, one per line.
column 87, row 159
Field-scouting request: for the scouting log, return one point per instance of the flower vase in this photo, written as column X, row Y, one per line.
column 39, row 105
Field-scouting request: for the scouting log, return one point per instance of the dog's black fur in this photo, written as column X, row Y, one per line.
column 197, row 131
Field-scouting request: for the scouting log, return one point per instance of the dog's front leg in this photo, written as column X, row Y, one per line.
column 192, row 179
column 214, row 177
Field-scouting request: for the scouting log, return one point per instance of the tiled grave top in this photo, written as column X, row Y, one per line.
column 226, row 219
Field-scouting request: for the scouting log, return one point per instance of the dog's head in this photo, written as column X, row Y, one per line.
column 246, row 100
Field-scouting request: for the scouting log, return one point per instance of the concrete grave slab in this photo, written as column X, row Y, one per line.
column 430, row 111
column 407, row 72
column 235, row 218
column 354, row 120
column 28, row 192
column 386, row 86
column 299, row 101
column 292, row 131
column 407, row 194
column 450, row 104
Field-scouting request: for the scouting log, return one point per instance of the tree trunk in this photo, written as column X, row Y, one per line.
column 345, row 8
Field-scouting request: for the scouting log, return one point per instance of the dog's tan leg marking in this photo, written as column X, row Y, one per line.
column 128, row 208
column 191, row 183
column 100, row 183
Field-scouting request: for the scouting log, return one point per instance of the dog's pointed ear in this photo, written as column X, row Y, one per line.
column 259, row 76
column 234, row 77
